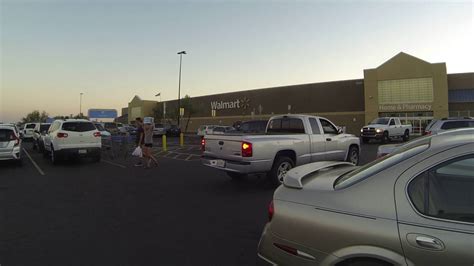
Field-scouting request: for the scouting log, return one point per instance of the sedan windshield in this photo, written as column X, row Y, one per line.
column 380, row 121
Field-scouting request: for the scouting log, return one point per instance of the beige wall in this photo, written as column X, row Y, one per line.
column 140, row 108
column 404, row 66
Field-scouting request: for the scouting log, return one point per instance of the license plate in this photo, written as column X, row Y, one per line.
column 218, row 163
column 82, row 151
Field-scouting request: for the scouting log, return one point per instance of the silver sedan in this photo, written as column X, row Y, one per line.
column 412, row 207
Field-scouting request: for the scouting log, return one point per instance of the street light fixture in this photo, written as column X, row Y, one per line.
column 179, row 84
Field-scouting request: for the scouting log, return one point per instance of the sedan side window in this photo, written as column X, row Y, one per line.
column 446, row 191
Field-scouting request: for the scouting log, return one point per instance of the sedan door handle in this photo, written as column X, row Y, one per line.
column 429, row 242
column 328, row 139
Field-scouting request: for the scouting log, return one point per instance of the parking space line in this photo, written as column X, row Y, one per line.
column 114, row 164
column 33, row 162
column 176, row 156
column 189, row 157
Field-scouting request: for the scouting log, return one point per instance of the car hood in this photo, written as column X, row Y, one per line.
column 376, row 125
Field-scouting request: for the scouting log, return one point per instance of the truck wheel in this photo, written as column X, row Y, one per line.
column 385, row 137
column 236, row 176
column 406, row 136
column 353, row 155
column 365, row 140
column 280, row 167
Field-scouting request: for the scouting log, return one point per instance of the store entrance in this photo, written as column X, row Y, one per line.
column 418, row 120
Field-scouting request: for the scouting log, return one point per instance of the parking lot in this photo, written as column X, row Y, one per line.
column 112, row 213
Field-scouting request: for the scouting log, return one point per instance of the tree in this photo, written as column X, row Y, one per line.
column 158, row 112
column 35, row 116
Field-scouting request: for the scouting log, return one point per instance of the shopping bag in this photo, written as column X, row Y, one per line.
column 137, row 152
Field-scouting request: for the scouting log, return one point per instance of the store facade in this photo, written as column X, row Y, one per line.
column 404, row 86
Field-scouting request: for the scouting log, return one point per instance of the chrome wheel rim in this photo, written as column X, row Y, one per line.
column 354, row 158
column 282, row 170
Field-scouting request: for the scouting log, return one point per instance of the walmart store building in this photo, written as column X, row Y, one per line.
column 404, row 86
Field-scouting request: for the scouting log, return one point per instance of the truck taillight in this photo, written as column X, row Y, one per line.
column 427, row 133
column 97, row 134
column 62, row 135
column 271, row 211
column 203, row 144
column 246, row 149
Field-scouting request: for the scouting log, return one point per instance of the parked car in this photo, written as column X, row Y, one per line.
column 104, row 134
column 441, row 125
column 221, row 130
column 111, row 127
column 385, row 129
column 253, row 127
column 205, row 129
column 38, row 136
column 10, row 143
column 159, row 130
column 72, row 137
column 290, row 140
column 132, row 130
column 413, row 207
column 122, row 128
column 173, row 131
column 29, row 130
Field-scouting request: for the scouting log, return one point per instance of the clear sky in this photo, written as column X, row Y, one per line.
column 111, row 50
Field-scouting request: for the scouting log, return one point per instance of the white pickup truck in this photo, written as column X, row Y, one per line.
column 385, row 129
column 289, row 141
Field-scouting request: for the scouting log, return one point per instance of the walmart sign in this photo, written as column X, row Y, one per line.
column 102, row 113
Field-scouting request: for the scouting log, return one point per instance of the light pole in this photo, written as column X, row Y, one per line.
column 80, row 104
column 179, row 84
column 163, row 118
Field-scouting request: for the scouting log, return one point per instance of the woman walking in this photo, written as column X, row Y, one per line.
column 148, row 141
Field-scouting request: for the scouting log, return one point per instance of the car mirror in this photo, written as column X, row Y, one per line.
column 339, row 130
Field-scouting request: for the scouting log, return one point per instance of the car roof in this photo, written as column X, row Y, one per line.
column 453, row 137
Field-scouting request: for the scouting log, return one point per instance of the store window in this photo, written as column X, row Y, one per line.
column 397, row 91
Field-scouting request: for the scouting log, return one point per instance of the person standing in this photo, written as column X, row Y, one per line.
column 139, row 138
column 148, row 140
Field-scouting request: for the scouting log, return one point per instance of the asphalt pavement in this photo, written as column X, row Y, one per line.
column 112, row 213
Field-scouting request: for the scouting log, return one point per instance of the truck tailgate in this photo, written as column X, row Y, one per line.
column 224, row 147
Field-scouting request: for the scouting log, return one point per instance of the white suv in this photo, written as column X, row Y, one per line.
column 72, row 137
column 29, row 130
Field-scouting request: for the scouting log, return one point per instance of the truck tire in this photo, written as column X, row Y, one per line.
column 353, row 155
column 406, row 135
column 385, row 137
column 236, row 176
column 365, row 140
column 281, row 165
